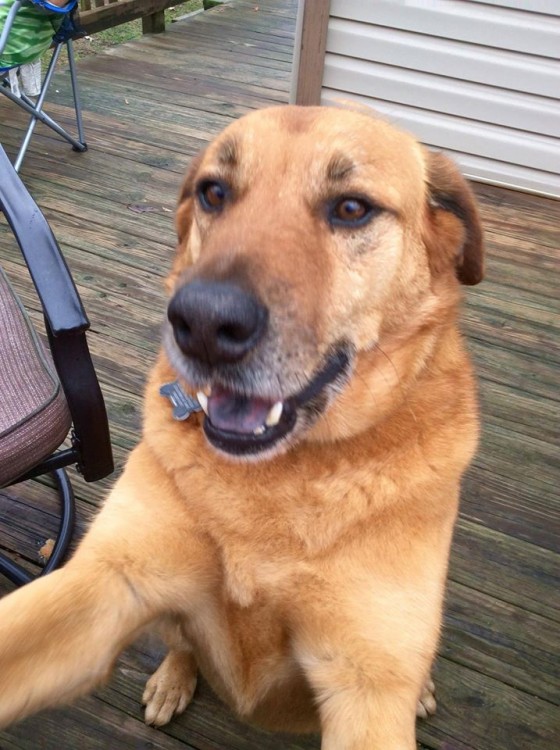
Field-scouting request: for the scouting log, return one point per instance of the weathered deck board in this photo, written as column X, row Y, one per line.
column 149, row 106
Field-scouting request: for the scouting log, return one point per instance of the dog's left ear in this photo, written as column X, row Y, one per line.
column 453, row 232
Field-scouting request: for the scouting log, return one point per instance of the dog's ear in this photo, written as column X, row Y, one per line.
column 183, row 215
column 453, row 231
column 183, row 222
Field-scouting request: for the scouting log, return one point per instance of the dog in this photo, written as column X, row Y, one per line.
column 291, row 538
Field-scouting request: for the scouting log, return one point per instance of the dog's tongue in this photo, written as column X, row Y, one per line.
column 228, row 411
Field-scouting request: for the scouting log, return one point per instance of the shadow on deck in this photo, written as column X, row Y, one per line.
column 150, row 105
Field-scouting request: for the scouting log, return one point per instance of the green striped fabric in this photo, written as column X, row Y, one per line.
column 31, row 34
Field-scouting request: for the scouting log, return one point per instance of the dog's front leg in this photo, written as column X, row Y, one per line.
column 361, row 713
column 366, row 665
column 60, row 635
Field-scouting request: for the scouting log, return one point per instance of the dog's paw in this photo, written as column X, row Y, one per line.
column 170, row 689
column 427, row 702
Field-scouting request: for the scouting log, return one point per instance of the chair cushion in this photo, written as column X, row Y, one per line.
column 34, row 415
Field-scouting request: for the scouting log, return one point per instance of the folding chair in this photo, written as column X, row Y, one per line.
column 46, row 393
column 28, row 28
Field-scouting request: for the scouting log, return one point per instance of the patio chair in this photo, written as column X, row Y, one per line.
column 27, row 29
column 47, row 393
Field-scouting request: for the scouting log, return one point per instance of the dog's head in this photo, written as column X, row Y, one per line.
column 309, row 239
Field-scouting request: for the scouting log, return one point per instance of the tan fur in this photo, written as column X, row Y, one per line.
column 308, row 586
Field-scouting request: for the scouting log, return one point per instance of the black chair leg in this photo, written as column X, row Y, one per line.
column 19, row 575
column 67, row 521
column 14, row 572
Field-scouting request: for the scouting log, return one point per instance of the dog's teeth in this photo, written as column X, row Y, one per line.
column 259, row 430
column 203, row 401
column 274, row 414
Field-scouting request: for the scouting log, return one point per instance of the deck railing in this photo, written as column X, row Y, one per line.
column 97, row 15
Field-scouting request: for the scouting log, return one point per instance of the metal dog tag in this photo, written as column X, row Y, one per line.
column 183, row 404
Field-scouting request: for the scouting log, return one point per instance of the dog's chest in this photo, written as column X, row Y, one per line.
column 240, row 632
column 266, row 528
column 252, row 573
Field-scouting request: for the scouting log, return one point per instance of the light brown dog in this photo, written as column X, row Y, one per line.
column 293, row 543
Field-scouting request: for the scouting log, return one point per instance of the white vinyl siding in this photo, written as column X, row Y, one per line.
column 478, row 79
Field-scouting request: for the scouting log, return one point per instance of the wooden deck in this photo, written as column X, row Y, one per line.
column 149, row 105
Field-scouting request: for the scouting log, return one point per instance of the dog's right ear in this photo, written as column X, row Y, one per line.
column 183, row 216
column 183, row 222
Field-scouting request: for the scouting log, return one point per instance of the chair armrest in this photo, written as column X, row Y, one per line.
column 56, row 289
column 66, row 323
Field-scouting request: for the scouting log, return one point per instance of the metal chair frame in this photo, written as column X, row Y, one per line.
column 66, row 324
column 35, row 109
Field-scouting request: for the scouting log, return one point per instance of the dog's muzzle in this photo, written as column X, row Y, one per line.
column 216, row 325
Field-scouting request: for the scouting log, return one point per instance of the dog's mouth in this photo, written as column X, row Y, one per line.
column 245, row 426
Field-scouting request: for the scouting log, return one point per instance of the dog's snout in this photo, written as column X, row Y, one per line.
column 216, row 322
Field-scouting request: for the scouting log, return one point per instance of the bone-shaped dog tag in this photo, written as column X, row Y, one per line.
column 183, row 404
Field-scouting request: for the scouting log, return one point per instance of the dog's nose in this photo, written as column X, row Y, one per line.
column 216, row 321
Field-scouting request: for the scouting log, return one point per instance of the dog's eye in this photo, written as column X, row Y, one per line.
column 350, row 212
column 212, row 195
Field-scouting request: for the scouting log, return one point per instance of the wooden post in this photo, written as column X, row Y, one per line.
column 154, row 23
column 309, row 58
